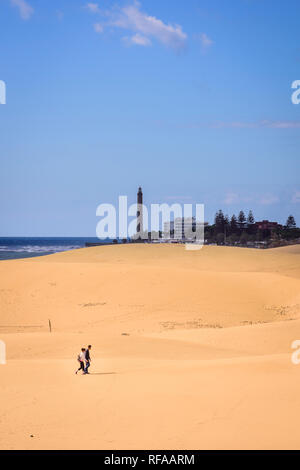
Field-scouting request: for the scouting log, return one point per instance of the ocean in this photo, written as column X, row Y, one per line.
column 28, row 247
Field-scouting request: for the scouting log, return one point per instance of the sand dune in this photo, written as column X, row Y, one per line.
column 191, row 349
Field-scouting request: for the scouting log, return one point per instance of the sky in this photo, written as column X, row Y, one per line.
column 189, row 99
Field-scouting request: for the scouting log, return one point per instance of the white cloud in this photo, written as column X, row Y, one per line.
column 98, row 28
column 179, row 198
column 137, row 39
column 60, row 15
column 25, row 9
column 268, row 199
column 93, row 7
column 296, row 197
column 233, row 125
column 205, row 41
column 281, row 124
column 231, row 198
column 133, row 19
column 256, row 125
column 142, row 26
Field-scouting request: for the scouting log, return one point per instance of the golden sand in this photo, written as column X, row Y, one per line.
column 191, row 349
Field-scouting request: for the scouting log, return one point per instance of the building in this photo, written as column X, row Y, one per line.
column 266, row 225
column 168, row 230
column 184, row 228
column 181, row 229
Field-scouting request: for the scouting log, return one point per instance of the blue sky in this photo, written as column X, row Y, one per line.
column 191, row 100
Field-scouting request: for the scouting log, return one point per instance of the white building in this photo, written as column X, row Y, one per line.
column 181, row 229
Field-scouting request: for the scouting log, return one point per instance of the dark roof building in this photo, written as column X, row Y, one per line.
column 266, row 225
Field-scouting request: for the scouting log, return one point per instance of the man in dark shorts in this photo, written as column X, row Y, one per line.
column 87, row 359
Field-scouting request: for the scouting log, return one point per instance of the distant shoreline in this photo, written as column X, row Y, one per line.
column 27, row 247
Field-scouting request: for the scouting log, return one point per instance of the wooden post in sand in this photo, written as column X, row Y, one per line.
column 50, row 327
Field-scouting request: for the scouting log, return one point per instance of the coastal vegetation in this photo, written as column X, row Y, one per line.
column 244, row 230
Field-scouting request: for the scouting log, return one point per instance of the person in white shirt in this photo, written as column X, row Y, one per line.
column 81, row 359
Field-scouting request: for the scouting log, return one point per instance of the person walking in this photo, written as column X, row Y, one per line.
column 81, row 360
column 87, row 359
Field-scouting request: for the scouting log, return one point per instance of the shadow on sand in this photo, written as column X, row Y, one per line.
column 102, row 373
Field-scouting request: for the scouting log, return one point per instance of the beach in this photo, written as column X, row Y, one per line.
column 190, row 349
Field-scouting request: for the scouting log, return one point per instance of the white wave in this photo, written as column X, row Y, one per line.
column 38, row 249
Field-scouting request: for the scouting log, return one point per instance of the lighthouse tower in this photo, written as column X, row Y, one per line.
column 139, row 214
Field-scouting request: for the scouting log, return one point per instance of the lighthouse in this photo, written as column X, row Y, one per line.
column 139, row 214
